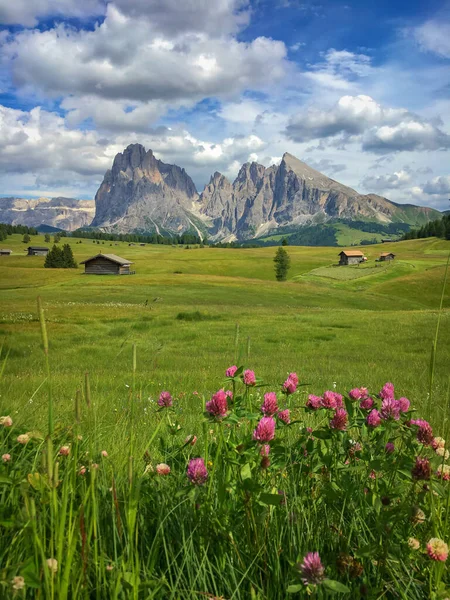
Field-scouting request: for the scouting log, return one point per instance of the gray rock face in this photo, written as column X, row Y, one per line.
column 143, row 193
column 65, row 213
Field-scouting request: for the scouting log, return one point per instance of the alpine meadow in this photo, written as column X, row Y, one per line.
column 224, row 300
column 127, row 474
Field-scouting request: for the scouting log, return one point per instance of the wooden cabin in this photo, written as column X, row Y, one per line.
column 38, row 251
column 351, row 257
column 5, row 252
column 107, row 264
column 386, row 256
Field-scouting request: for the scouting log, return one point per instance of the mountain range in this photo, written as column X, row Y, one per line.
column 143, row 194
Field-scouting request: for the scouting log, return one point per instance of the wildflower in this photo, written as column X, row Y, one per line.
column 229, row 394
column 269, row 407
column 265, row 430
column 418, row 516
column 64, row 450
column 6, row 421
column 265, row 450
column 358, row 393
column 309, row 429
column 191, row 439
column 367, row 404
column 162, row 469
column 218, row 405
column 390, row 409
column 314, row 402
column 82, row 471
column 289, row 386
column 437, row 549
column 312, row 569
column 438, row 442
column 285, row 416
column 18, row 583
column 165, row 399
column 387, row 391
column 389, row 448
column 331, row 400
column 422, row 469
column 94, row 466
column 52, row 564
column 6, row 458
column 404, row 404
column 24, row 438
column 339, row 421
column 249, row 377
column 265, row 462
column 425, row 432
column 104, row 454
column 196, row 471
column 414, row 543
column 443, row 472
column 109, row 568
column 231, row 371
column 442, row 452
column 373, row 418
column 372, row 474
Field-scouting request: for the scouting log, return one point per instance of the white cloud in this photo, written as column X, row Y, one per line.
column 399, row 179
column 28, row 12
column 125, row 58
column 361, row 119
column 339, row 70
column 438, row 186
column 434, row 36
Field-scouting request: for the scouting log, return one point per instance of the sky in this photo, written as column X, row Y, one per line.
column 358, row 89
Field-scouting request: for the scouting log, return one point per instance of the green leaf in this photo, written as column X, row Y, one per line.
column 336, row 587
column 271, row 499
column 246, row 472
column 6, row 480
column 293, row 589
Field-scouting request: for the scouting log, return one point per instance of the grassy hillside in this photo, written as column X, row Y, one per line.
column 322, row 311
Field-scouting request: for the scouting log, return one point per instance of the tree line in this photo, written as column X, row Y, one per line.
column 439, row 228
column 6, row 230
column 60, row 258
column 149, row 238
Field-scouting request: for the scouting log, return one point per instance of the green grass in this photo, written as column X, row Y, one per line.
column 180, row 312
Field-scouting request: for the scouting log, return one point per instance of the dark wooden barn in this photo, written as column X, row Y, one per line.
column 107, row 264
column 351, row 257
column 37, row 251
column 386, row 256
column 5, row 252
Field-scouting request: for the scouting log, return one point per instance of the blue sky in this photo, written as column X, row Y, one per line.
column 358, row 90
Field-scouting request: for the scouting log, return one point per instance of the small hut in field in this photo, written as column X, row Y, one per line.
column 5, row 252
column 38, row 251
column 107, row 264
column 386, row 256
column 351, row 257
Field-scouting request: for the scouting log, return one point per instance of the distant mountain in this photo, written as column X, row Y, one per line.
column 142, row 193
column 57, row 213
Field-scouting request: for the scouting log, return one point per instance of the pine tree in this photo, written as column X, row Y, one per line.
column 282, row 264
column 54, row 259
column 47, row 238
column 26, row 238
column 69, row 261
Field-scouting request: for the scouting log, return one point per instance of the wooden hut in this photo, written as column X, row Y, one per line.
column 386, row 256
column 37, row 251
column 5, row 252
column 107, row 264
column 351, row 257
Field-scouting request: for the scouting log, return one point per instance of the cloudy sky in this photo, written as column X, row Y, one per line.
column 358, row 89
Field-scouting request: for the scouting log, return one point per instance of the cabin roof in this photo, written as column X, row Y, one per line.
column 37, row 248
column 5, row 250
column 112, row 257
column 352, row 253
column 387, row 254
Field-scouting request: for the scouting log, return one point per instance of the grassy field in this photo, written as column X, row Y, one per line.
column 190, row 314
column 332, row 328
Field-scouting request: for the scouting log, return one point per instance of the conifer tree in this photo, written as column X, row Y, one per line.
column 69, row 261
column 282, row 264
column 47, row 238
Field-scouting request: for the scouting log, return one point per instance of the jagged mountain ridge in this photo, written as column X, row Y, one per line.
column 142, row 193
column 62, row 213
